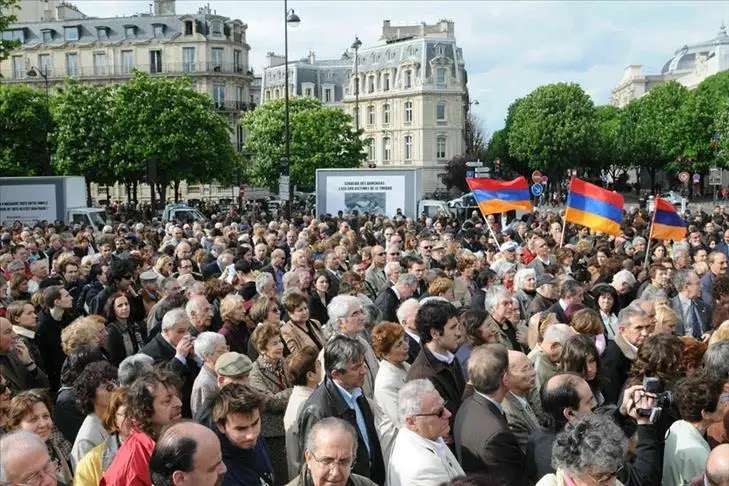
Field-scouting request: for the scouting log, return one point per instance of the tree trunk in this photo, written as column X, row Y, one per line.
column 135, row 186
column 162, row 194
column 128, row 189
column 108, row 196
column 88, row 193
column 177, row 191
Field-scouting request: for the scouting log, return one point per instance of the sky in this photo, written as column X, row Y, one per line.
column 510, row 48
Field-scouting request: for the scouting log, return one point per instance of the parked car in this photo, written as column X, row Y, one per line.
column 465, row 201
column 673, row 197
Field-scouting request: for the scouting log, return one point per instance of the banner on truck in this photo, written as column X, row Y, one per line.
column 28, row 203
column 374, row 194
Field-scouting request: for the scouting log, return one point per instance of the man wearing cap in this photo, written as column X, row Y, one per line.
column 436, row 254
column 148, row 292
column 546, row 295
column 231, row 367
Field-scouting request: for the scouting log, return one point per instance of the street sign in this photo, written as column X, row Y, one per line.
column 683, row 176
column 545, row 179
column 537, row 189
column 536, row 177
column 474, row 163
column 469, row 174
column 480, row 170
column 283, row 187
column 697, row 178
column 715, row 176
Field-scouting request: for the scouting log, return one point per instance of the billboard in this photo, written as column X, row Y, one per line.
column 373, row 191
column 27, row 203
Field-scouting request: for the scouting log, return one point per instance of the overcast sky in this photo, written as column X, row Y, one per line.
column 510, row 48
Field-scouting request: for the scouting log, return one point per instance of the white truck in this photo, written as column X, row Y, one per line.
column 31, row 200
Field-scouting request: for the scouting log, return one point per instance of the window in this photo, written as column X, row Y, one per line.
column 130, row 31
column 217, row 58
column 44, row 63
column 188, row 27
column 408, row 83
column 268, row 95
column 72, row 64
column 440, row 77
column 127, row 58
column 386, row 149
column 18, row 67
column 371, row 149
column 307, row 92
column 371, row 84
column 440, row 111
column 70, row 33
column 239, row 137
column 99, row 63
column 386, row 82
column 47, row 35
column 219, row 95
column 408, row 147
column 439, row 50
column 216, row 28
column 327, row 95
column 386, row 113
column 159, row 30
column 440, row 147
column 239, row 97
column 408, row 112
column 276, row 94
column 102, row 33
column 155, row 62
column 14, row 35
column 238, row 61
column 370, row 115
column 188, row 59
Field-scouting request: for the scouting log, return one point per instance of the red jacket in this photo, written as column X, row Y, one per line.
column 130, row 467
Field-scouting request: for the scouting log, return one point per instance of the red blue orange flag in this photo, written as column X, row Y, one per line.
column 594, row 207
column 494, row 196
column 667, row 224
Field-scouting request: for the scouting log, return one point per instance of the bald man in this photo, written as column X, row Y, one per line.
column 717, row 466
column 375, row 274
column 187, row 453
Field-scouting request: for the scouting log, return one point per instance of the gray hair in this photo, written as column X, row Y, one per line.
column 206, row 342
column 390, row 267
column 339, row 307
column 569, row 288
column 591, row 444
column 652, row 293
column 132, row 367
column 193, row 306
column 681, row 278
column 407, row 279
column 633, row 310
column 504, row 268
column 410, row 398
column 557, row 333
column 165, row 283
column 289, row 278
column 680, row 252
column 716, row 360
column 521, row 275
column 339, row 351
column 487, row 366
column 406, row 307
column 624, row 276
column 373, row 314
column 638, row 239
column 330, row 424
column 19, row 443
column 263, row 279
column 494, row 295
column 174, row 317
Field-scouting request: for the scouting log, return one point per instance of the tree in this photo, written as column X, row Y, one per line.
column 606, row 153
column 5, row 20
column 82, row 136
column 24, row 128
column 320, row 138
column 455, row 173
column 474, row 136
column 553, row 128
column 168, row 122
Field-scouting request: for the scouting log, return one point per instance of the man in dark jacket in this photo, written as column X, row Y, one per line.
column 16, row 363
column 237, row 423
column 172, row 347
column 120, row 277
column 545, row 297
column 56, row 315
column 389, row 299
column 634, row 326
column 340, row 395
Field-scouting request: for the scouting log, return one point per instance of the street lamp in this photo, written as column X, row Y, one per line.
column 290, row 17
column 356, row 45
column 33, row 72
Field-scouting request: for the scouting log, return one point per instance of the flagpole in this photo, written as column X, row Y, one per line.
column 650, row 232
column 564, row 226
column 493, row 234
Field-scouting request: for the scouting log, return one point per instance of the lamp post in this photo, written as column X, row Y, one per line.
column 290, row 17
column 356, row 45
column 33, row 72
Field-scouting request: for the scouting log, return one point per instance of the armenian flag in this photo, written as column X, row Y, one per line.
column 494, row 196
column 594, row 207
column 667, row 224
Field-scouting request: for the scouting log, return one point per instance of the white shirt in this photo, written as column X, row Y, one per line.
column 498, row 405
column 445, row 358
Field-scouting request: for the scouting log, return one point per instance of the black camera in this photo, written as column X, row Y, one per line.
column 664, row 400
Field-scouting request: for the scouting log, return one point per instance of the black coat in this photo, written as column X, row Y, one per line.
column 115, row 341
column 388, row 302
column 162, row 352
column 327, row 401
column 48, row 337
column 211, row 270
column 413, row 348
column 614, row 366
column 317, row 309
column 66, row 414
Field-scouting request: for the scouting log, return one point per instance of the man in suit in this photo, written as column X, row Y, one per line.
column 694, row 316
column 406, row 317
column 571, row 292
column 542, row 260
column 416, row 267
column 522, row 383
column 277, row 268
column 420, row 455
column 484, row 442
column 375, row 274
column 546, row 355
column 389, row 299
column 217, row 267
column 172, row 347
column 331, row 267
column 717, row 267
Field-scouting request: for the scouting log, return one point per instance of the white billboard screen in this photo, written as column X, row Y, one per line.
column 373, row 194
column 27, row 203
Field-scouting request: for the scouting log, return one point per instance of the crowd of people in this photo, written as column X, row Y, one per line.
column 360, row 350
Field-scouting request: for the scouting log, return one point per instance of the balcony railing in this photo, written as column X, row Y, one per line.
column 231, row 105
column 96, row 71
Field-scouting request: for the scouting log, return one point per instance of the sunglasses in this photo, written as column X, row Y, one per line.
column 439, row 413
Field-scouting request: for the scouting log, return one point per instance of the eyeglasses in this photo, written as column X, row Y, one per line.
column 49, row 470
column 379, row 254
column 439, row 413
column 346, row 463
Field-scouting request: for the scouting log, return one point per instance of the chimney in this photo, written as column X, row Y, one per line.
column 312, row 57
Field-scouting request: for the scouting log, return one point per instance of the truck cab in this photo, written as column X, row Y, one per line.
column 181, row 212
column 433, row 208
column 94, row 217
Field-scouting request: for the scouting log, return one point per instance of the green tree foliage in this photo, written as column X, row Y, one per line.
column 24, row 128
column 722, row 129
column 7, row 18
column 455, row 173
column 320, row 138
column 606, row 153
column 553, row 128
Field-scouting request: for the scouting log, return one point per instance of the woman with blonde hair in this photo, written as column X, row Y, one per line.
column 666, row 320
column 163, row 267
column 84, row 331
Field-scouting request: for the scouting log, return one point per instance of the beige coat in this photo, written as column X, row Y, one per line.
column 297, row 338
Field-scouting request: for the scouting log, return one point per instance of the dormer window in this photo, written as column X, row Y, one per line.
column 159, row 30
column 102, row 33
column 47, row 35
column 71, row 34
column 130, row 31
column 188, row 27
column 439, row 50
column 216, row 28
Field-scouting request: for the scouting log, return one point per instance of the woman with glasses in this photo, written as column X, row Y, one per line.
column 124, row 336
column 300, row 331
column 268, row 376
column 31, row 411
column 93, row 389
